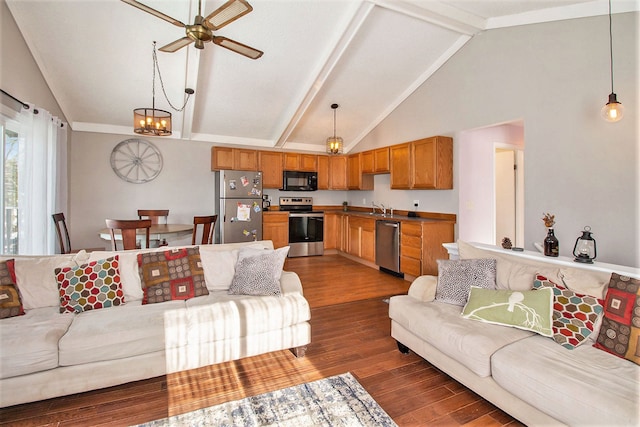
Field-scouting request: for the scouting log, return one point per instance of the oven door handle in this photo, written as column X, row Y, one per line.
column 306, row 215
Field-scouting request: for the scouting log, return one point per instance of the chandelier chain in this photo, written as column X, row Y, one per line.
column 156, row 66
column 610, row 47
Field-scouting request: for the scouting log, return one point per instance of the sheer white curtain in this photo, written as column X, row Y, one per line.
column 42, row 182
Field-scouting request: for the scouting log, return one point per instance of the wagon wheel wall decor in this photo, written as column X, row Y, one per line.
column 136, row 160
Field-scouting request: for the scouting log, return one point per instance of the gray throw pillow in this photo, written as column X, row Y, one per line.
column 455, row 278
column 258, row 272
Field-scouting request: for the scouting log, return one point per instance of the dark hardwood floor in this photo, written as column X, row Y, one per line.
column 350, row 333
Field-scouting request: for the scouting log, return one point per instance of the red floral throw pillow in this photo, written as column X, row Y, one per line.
column 10, row 301
column 620, row 331
column 175, row 274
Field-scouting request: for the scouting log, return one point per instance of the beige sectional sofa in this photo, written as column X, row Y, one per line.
column 532, row 377
column 45, row 354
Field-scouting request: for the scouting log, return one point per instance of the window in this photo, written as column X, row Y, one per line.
column 9, row 196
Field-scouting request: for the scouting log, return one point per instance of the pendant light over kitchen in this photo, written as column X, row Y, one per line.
column 334, row 143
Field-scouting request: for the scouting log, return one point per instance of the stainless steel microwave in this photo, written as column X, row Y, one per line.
column 299, row 181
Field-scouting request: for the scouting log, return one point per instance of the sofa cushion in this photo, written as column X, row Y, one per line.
column 90, row 286
column 574, row 315
column 221, row 316
column 10, row 300
column 620, row 330
column 582, row 387
column 440, row 324
column 128, row 330
column 30, row 342
column 527, row 310
column 512, row 272
column 258, row 272
column 455, row 278
column 36, row 279
column 173, row 274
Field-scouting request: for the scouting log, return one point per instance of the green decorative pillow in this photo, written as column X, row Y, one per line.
column 528, row 310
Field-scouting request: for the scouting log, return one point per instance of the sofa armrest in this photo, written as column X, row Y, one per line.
column 424, row 288
column 290, row 283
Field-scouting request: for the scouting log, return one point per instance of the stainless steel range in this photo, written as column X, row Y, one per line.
column 306, row 227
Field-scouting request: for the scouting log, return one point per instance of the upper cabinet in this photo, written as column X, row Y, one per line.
column 423, row 164
column 375, row 161
column 300, row 162
column 332, row 172
column 356, row 180
column 270, row 163
column 233, row 159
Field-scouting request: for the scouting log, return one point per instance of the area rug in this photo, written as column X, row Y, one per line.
column 334, row 401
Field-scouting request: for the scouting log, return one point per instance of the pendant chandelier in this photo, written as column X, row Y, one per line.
column 613, row 111
column 153, row 121
column 334, row 143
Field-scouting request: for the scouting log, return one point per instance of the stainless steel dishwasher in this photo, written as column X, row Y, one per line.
column 388, row 246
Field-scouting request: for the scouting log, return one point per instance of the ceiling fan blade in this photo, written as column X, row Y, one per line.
column 227, row 13
column 237, row 47
column 176, row 45
column 154, row 12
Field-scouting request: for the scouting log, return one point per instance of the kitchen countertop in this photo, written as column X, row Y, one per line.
column 366, row 213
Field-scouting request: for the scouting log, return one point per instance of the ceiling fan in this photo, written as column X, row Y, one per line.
column 202, row 29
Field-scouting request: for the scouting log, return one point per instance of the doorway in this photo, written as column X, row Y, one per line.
column 509, row 206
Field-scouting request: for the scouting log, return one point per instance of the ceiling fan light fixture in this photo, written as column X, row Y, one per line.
column 334, row 143
column 227, row 13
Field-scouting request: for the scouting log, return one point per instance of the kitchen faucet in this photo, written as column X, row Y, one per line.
column 381, row 207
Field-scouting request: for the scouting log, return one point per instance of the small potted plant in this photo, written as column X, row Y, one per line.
column 551, row 245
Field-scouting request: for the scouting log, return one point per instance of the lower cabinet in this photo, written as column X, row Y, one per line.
column 275, row 227
column 421, row 246
column 362, row 238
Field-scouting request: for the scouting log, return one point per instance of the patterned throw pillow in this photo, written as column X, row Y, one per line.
column 258, row 272
column 175, row 274
column 574, row 315
column 620, row 330
column 455, row 278
column 10, row 300
column 90, row 286
column 528, row 310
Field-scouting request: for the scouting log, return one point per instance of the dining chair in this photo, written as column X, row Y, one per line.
column 208, row 225
column 64, row 241
column 128, row 228
column 154, row 215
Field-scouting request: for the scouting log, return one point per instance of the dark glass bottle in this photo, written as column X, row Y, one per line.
column 551, row 245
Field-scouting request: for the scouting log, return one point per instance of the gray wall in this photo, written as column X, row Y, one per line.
column 555, row 78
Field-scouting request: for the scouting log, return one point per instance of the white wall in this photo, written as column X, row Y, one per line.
column 185, row 186
column 555, row 77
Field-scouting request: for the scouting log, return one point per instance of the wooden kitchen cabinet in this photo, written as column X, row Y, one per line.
column 362, row 241
column 331, row 230
column 343, row 237
column 270, row 163
column 422, row 164
column 233, row 159
column 434, row 234
column 411, row 248
column 400, row 166
column 356, row 180
column 275, row 227
column 381, row 160
column 332, row 172
column 432, row 163
column 368, row 161
column 300, row 162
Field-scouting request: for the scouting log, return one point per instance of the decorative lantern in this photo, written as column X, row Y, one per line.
column 585, row 247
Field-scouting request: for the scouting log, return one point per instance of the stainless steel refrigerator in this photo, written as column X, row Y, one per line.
column 239, row 206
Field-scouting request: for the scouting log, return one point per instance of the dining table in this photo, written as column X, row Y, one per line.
column 156, row 232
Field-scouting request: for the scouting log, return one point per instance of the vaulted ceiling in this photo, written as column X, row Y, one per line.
column 365, row 55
